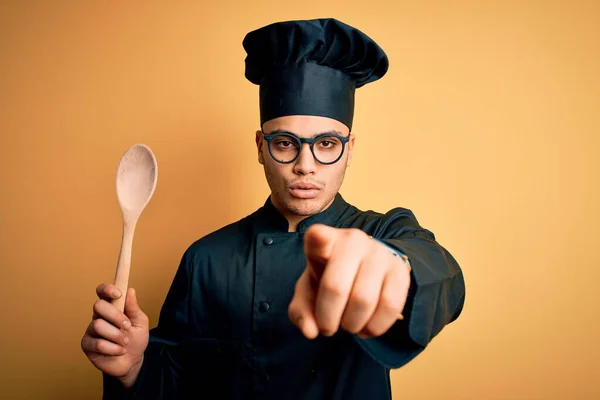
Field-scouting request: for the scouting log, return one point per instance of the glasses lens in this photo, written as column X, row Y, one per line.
column 328, row 149
column 284, row 148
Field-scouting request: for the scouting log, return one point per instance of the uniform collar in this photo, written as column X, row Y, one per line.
column 328, row 216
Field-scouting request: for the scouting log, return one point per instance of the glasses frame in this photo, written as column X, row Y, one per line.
column 311, row 142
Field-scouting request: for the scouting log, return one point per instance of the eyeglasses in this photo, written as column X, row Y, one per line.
column 326, row 148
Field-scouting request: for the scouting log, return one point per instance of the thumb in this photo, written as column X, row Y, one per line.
column 318, row 243
column 133, row 310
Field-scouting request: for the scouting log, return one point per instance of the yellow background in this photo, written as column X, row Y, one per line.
column 486, row 126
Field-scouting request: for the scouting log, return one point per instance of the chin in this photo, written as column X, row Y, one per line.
column 305, row 207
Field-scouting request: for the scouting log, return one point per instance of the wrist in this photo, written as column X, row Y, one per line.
column 129, row 379
column 395, row 252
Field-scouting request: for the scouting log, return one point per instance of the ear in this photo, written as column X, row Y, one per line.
column 259, row 146
column 350, row 146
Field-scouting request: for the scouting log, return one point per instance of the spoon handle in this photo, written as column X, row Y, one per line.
column 124, row 265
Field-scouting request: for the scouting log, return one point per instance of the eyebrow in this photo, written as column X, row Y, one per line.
column 331, row 132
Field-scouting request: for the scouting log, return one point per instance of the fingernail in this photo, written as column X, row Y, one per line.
column 126, row 324
column 126, row 340
column 115, row 294
column 326, row 332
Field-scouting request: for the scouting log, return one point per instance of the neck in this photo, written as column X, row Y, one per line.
column 294, row 219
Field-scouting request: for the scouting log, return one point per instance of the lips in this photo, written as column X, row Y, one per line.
column 304, row 190
column 304, row 186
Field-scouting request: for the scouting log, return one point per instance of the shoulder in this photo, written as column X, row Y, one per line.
column 223, row 240
column 393, row 222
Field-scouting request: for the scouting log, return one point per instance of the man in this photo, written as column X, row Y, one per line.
column 308, row 297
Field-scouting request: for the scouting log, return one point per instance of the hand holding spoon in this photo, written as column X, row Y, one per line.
column 136, row 180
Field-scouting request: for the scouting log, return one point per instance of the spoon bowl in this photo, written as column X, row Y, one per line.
column 136, row 179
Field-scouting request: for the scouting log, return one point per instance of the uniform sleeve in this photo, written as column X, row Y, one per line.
column 436, row 296
column 161, row 373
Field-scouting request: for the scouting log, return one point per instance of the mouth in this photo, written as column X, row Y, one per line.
column 304, row 190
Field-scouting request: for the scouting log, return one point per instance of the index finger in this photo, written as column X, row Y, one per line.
column 110, row 313
column 336, row 285
column 319, row 241
column 108, row 291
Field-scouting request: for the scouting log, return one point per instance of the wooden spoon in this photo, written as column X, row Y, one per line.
column 136, row 180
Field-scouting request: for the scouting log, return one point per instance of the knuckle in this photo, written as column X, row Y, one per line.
column 402, row 274
column 83, row 343
column 295, row 310
column 383, row 254
column 96, row 325
column 389, row 304
column 328, row 325
column 374, row 331
column 294, row 314
column 362, row 300
column 98, row 346
column 293, row 306
column 292, row 311
column 355, row 234
column 298, row 286
column 334, row 289
column 98, row 306
column 350, row 327
column 101, row 289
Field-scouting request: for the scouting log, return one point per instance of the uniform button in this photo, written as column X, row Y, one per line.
column 268, row 241
column 264, row 307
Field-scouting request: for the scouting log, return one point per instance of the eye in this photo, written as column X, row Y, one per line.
column 328, row 143
column 284, row 144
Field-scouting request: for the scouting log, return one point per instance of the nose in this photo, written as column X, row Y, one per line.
column 305, row 164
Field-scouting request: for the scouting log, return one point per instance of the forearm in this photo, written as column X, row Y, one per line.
column 436, row 297
column 437, row 292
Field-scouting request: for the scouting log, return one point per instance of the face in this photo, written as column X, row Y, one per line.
column 303, row 187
